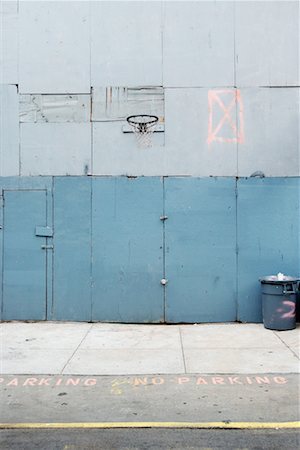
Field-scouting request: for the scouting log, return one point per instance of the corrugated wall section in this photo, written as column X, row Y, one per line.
column 224, row 79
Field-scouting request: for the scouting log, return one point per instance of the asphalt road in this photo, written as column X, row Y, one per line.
column 146, row 439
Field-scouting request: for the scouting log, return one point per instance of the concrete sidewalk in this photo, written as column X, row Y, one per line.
column 120, row 349
column 147, row 375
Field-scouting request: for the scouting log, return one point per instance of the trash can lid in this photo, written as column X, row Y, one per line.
column 275, row 280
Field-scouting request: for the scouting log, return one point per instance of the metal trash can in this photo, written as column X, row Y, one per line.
column 279, row 302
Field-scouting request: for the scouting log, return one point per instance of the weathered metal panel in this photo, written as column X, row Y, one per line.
column 44, row 231
column 268, row 229
column 54, row 108
column 9, row 130
column 54, row 47
column 118, row 153
column 24, row 260
column 127, row 250
column 117, row 103
column 126, row 43
column 198, row 48
column 55, row 148
column 28, row 184
column 200, row 239
column 267, row 43
column 72, row 257
column 188, row 150
column 271, row 132
column 1, row 251
column 9, row 42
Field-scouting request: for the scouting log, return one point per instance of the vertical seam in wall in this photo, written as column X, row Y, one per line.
column 237, row 251
column 19, row 133
column 92, row 145
column 164, row 252
column 47, row 259
column 18, row 43
column 53, row 253
column 53, row 274
column 90, row 41
column 234, row 44
column 2, row 258
column 162, row 11
column 235, row 86
column 91, row 97
column 91, row 250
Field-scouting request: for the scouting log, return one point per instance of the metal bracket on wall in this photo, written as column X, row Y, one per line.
column 44, row 231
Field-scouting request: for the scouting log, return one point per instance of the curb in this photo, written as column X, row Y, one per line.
column 195, row 425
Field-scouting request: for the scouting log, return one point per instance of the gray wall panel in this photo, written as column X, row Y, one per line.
column 117, row 153
column 198, row 47
column 126, row 43
column 118, row 102
column 9, row 130
column 54, row 108
column 187, row 151
column 54, row 47
column 9, row 42
column 55, row 148
column 205, row 133
column 271, row 132
column 267, row 43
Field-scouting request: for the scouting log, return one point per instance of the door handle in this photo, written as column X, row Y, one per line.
column 47, row 247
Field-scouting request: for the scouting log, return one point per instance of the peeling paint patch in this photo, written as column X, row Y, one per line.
column 54, row 108
column 117, row 103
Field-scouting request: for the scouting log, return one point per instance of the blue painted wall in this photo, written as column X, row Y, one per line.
column 25, row 259
column 111, row 248
column 127, row 246
column 268, row 232
column 72, row 249
column 200, row 236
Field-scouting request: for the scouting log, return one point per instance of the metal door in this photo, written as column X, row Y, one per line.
column 127, row 250
column 200, row 238
column 24, row 244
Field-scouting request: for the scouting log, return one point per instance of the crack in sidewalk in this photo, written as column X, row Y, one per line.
column 292, row 351
column 182, row 351
column 84, row 337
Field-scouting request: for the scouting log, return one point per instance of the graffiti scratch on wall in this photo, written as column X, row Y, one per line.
column 222, row 123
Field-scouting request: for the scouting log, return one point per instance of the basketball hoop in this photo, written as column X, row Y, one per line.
column 143, row 127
